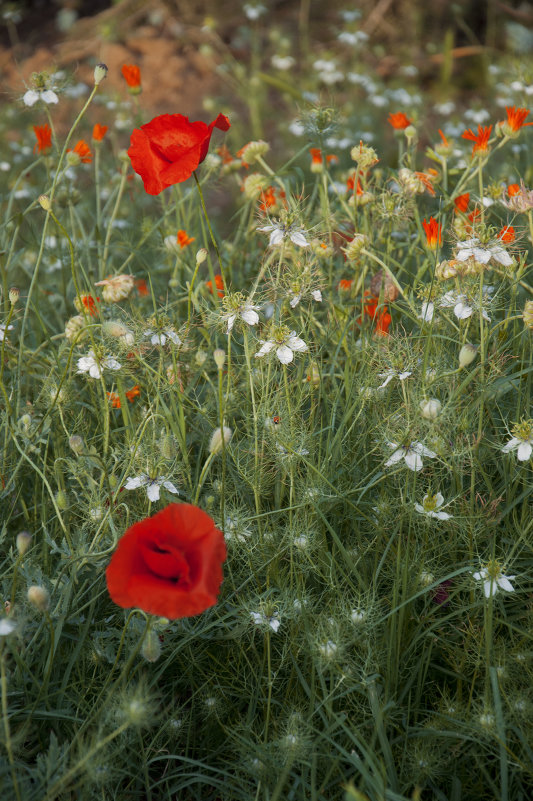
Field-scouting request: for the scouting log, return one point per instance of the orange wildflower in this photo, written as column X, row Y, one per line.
column 345, row 284
column 89, row 304
column 399, row 121
column 481, row 140
column 513, row 189
column 316, row 155
column 225, row 155
column 474, row 215
column 332, row 159
column 433, row 233
column 427, row 178
column 183, row 239
column 268, row 198
column 350, row 184
column 516, row 119
column 219, row 283
column 133, row 393
column 115, row 399
column 141, row 286
column 507, row 234
column 383, row 321
column 43, row 134
column 132, row 75
column 99, row 131
column 461, row 202
column 444, row 140
column 83, row 150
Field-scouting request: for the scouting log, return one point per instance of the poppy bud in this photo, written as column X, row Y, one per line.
column 100, row 72
column 74, row 326
column 23, row 542
column 151, row 647
column 62, row 500
column 252, row 151
column 39, row 597
column 467, row 354
column 430, row 409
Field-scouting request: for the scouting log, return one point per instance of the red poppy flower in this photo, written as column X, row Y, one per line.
column 169, row 564
column 168, row 149
column 43, row 134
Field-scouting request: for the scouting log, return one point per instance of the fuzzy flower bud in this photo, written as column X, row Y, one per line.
column 467, row 354
column 200, row 357
column 100, row 72
column 151, row 647
column 62, row 500
column 527, row 314
column 44, row 202
column 355, row 246
column 201, row 256
column 23, row 542
column 364, row 156
column 430, row 409
column 116, row 288
column 254, row 184
column 215, row 444
column 14, row 295
column 411, row 134
column 252, row 151
column 74, row 326
column 76, row 443
column 39, row 597
column 118, row 330
column 219, row 356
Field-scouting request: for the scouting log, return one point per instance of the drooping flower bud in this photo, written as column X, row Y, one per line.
column 39, row 597
column 467, row 354
column 151, row 647
column 218, row 437
column 430, row 409
column 14, row 295
column 23, row 542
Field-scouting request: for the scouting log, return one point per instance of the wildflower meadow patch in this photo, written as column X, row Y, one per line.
column 267, row 441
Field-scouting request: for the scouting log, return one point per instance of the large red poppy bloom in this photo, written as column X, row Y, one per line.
column 169, row 564
column 168, row 149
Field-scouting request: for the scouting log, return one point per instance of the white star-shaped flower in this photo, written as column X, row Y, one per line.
column 522, row 441
column 278, row 231
column 160, row 337
column 430, row 507
column 32, row 96
column 411, row 454
column 463, row 307
column 94, row 366
column 247, row 313
column 390, row 374
column 285, row 349
column 493, row 579
column 260, row 619
column 483, row 253
column 153, row 485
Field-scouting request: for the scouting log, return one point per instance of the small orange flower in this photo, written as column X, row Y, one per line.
column 43, row 134
column 316, row 155
column 133, row 393
column 433, row 233
column 383, row 321
column 513, row 189
column 350, row 184
column 99, row 131
column 219, row 283
column 481, row 140
column 427, row 179
column 332, row 159
column 89, row 304
column 473, row 216
column 225, row 155
column 268, row 198
column 115, row 399
column 141, row 286
column 183, row 239
column 507, row 234
column 461, row 202
column 399, row 121
column 83, row 150
column 345, row 284
column 516, row 118
column 132, row 76
column 444, row 140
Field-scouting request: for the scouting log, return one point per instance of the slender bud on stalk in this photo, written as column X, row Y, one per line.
column 467, row 354
column 44, row 202
column 23, row 542
column 215, row 444
column 100, row 72
column 39, row 597
column 219, row 356
column 527, row 315
column 151, row 647
column 14, row 295
column 201, row 256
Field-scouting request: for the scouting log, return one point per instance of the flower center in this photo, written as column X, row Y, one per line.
column 523, row 430
column 430, row 503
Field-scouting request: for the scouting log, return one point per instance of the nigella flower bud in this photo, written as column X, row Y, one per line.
column 467, row 354
column 44, row 202
column 430, row 409
column 39, row 597
column 74, row 326
column 151, row 647
column 14, row 295
column 23, row 542
column 201, row 256
column 100, row 72
column 253, row 150
column 219, row 356
column 254, row 184
column 218, row 436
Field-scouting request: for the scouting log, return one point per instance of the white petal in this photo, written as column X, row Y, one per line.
column 85, row 363
column 417, row 447
column 316, row 295
column 387, row 380
column 413, row 460
column 464, row 254
column 509, row 446
column 403, row 376
column 112, row 364
column 427, row 311
column 490, row 588
column 524, row 451
column 504, row 583
column 299, row 239
column 276, row 237
column 136, row 481
column 295, row 343
column 95, row 371
column 231, row 323
column 50, row 97
column 170, row 487
column 265, row 348
column 462, row 311
column 482, row 255
column 480, row 574
column 6, row 627
column 500, row 255
column 295, row 301
column 441, row 515
column 30, row 98
column 267, row 228
column 284, row 354
column 257, row 618
column 396, row 457
column 420, row 508
column 153, row 490
column 448, row 299
column 274, row 624
column 250, row 316
column 174, row 337
column 439, row 498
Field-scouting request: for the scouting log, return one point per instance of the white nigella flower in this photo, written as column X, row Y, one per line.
column 296, row 452
column 316, row 294
column 522, row 440
column 430, row 507
column 245, row 311
column 411, row 454
column 427, row 311
column 463, row 306
column 483, row 253
column 3, row 329
column 493, row 579
column 153, row 485
column 95, row 365
column 32, row 96
column 260, row 619
column 160, row 337
column 6, row 626
column 279, row 231
column 286, row 345
column 390, row 374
